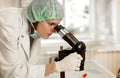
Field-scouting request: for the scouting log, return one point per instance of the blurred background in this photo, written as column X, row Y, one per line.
column 96, row 22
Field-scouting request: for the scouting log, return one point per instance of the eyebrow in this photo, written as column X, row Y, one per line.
column 52, row 22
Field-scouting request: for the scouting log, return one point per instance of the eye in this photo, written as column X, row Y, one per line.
column 52, row 24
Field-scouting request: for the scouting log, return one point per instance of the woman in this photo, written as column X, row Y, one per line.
column 20, row 30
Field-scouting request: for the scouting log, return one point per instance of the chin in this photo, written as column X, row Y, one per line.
column 45, row 37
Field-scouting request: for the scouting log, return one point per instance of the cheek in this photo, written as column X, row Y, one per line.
column 42, row 29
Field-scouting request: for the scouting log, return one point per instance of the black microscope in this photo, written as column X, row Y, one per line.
column 77, row 46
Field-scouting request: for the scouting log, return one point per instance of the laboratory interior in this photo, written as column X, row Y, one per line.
column 94, row 22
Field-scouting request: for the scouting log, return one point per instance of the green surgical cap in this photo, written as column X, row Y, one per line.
column 41, row 10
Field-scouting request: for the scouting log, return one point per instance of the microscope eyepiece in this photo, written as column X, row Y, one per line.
column 59, row 27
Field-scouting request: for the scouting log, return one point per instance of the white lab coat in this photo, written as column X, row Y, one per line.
column 16, row 59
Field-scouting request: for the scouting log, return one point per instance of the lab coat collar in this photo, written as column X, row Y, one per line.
column 25, row 42
column 25, row 34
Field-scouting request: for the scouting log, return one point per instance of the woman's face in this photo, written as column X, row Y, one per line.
column 46, row 28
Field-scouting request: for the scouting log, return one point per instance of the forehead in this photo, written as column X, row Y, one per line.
column 53, row 21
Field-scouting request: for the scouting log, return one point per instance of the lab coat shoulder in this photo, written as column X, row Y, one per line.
column 10, row 12
column 10, row 17
column 10, row 21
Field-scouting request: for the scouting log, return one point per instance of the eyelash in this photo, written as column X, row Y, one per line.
column 52, row 24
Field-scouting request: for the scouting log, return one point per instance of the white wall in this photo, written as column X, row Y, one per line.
column 110, row 60
column 9, row 3
column 14, row 3
column 116, row 20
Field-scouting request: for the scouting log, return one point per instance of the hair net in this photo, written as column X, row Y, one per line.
column 41, row 10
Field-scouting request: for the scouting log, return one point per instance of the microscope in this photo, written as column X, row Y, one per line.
column 77, row 46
